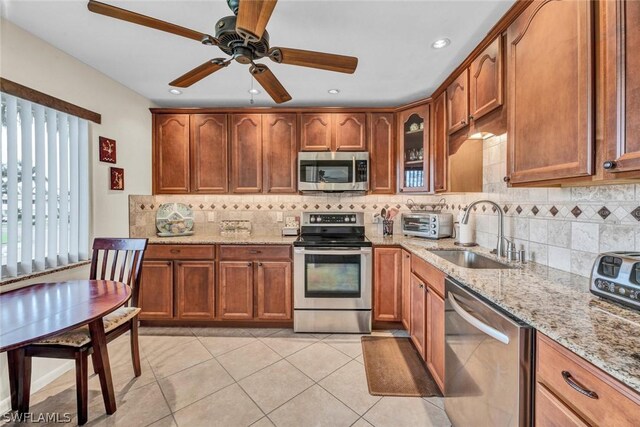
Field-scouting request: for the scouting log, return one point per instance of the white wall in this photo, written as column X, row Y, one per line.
column 30, row 61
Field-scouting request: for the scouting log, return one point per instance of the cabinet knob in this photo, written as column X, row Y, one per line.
column 506, row 179
column 168, row 262
column 470, row 117
column 259, row 264
column 421, row 286
column 249, row 264
column 174, row 251
column 255, row 252
column 401, row 190
column 609, row 164
column 463, row 122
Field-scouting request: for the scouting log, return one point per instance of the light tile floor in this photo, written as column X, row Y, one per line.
column 241, row 377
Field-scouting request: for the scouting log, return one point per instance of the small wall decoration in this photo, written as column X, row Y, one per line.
column 117, row 179
column 107, row 150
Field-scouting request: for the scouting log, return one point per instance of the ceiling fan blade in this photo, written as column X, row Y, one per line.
column 270, row 83
column 136, row 18
column 309, row 58
column 199, row 73
column 253, row 16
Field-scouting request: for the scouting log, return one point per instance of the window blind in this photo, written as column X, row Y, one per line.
column 45, row 189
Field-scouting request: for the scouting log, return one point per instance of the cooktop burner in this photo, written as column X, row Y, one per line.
column 332, row 229
column 333, row 241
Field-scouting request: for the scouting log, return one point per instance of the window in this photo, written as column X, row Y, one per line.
column 45, row 187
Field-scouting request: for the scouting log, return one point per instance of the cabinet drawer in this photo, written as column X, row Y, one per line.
column 552, row 412
column 180, row 252
column 428, row 273
column 612, row 404
column 254, row 253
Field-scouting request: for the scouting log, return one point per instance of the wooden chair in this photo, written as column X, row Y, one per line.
column 121, row 256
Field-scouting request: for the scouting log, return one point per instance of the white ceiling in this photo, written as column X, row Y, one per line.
column 391, row 38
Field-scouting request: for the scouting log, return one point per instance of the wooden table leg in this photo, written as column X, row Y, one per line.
column 101, row 357
column 19, row 379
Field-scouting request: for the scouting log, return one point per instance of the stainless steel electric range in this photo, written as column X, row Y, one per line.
column 332, row 274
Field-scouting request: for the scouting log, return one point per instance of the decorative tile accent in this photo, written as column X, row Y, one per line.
column 201, row 206
column 604, row 212
column 142, row 207
column 554, row 211
column 281, row 206
column 636, row 213
column 387, row 206
column 293, row 206
column 270, row 206
column 190, row 206
column 305, row 206
column 494, row 209
column 475, row 208
column 519, row 209
column 247, row 206
column 212, row 206
column 224, row 206
column 317, row 207
column 339, row 206
column 576, row 211
column 152, row 206
column 351, row 207
column 375, row 206
column 398, row 206
column 363, row 206
column 535, row 210
column 328, row 207
column 484, row 208
column 258, row 206
column 235, row 206
column 505, row 208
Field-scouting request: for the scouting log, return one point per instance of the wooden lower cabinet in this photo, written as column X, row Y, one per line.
column 435, row 336
column 195, row 290
column 274, row 290
column 156, row 290
column 418, row 314
column 236, row 290
column 406, row 290
column 550, row 411
column 387, row 279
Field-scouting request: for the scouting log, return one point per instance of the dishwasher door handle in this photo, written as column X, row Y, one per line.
column 478, row 324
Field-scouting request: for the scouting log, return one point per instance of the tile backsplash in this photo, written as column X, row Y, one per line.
column 561, row 227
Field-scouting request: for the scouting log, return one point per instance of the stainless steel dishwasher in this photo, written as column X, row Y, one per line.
column 488, row 365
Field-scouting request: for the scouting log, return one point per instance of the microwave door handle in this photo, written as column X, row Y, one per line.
column 492, row 332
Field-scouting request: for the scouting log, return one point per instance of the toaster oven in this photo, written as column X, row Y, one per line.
column 616, row 276
column 430, row 225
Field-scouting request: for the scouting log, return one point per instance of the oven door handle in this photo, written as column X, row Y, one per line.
column 331, row 252
column 476, row 323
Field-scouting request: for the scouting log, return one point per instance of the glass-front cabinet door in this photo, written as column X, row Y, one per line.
column 414, row 150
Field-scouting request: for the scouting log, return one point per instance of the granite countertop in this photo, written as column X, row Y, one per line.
column 556, row 303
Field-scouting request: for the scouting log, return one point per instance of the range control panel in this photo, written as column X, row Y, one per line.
column 616, row 276
column 329, row 218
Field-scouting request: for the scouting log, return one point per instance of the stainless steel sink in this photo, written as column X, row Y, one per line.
column 468, row 259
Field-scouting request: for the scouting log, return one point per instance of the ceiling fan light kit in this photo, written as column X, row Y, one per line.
column 244, row 38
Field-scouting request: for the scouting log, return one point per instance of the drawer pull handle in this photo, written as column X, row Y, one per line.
column 577, row 387
column 175, row 251
column 255, row 252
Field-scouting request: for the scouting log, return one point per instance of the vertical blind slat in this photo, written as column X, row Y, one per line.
column 2, row 240
column 12, row 186
column 26, row 188
column 73, row 189
column 83, row 190
column 63, row 185
column 52, row 176
column 40, row 203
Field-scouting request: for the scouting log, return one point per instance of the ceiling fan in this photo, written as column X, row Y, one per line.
column 244, row 38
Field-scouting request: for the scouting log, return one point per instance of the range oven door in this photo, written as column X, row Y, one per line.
column 333, row 171
column 332, row 279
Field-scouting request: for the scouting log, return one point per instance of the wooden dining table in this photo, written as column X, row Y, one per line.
column 40, row 311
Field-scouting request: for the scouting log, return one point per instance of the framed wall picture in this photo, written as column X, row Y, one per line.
column 117, row 179
column 107, row 150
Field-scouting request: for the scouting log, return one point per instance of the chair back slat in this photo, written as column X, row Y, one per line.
column 126, row 258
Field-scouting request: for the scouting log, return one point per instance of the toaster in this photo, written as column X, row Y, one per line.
column 431, row 225
column 616, row 276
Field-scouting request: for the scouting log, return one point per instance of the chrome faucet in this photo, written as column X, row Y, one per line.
column 500, row 248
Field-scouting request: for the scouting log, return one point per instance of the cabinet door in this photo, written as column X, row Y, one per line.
column 486, row 84
column 418, row 318
column 171, row 154
column 195, row 290
column 406, row 290
column 236, row 290
column 274, row 290
column 351, row 132
column 382, row 146
column 209, row 160
column 280, row 144
column 156, row 290
column 387, row 284
column 440, row 144
column 622, row 86
column 551, row 412
column 316, row 132
column 246, row 153
column 458, row 102
column 413, row 149
column 435, row 336
column 550, row 92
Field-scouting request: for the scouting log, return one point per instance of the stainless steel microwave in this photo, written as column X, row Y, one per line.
column 333, row 172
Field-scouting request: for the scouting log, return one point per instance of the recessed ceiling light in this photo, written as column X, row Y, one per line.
column 440, row 43
column 334, row 91
column 254, row 91
column 175, row 91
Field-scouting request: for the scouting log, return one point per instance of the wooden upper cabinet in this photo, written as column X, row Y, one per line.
column 209, row 159
column 236, row 290
column 350, row 132
column 280, row 145
column 550, row 53
column 486, row 80
column 414, row 149
column 622, row 85
column 458, row 102
column 316, row 133
column 382, row 146
column 171, row 154
column 274, row 290
column 440, row 144
column 156, row 290
column 387, row 284
column 195, row 290
column 246, row 153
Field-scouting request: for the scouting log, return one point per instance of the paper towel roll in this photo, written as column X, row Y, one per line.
column 467, row 234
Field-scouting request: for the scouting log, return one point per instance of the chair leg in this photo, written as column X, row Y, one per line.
column 19, row 379
column 135, row 348
column 82, row 385
column 93, row 362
